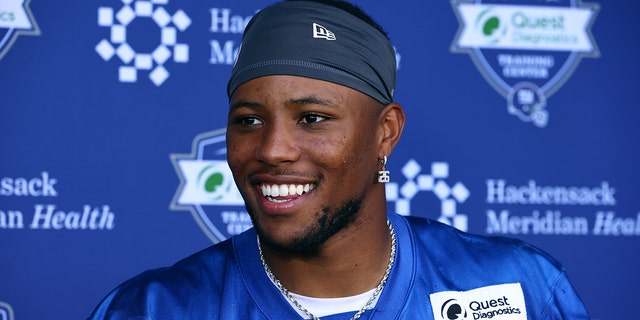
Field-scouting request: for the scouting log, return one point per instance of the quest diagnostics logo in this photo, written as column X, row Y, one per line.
column 500, row 302
column 15, row 20
column 131, row 39
column 526, row 52
column 453, row 309
column 491, row 27
column 207, row 188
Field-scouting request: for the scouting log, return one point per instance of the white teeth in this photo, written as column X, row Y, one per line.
column 283, row 190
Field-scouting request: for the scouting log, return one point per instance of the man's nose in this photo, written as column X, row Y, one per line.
column 279, row 144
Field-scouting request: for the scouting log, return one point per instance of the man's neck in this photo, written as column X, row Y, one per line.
column 351, row 262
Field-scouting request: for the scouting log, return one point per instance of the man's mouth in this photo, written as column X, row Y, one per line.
column 285, row 192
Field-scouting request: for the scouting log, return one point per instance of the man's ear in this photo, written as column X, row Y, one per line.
column 392, row 121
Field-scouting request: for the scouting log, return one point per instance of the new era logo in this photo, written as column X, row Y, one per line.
column 320, row 32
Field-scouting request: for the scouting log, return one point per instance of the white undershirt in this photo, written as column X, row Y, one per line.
column 321, row 307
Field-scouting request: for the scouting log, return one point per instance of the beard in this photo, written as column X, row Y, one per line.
column 328, row 223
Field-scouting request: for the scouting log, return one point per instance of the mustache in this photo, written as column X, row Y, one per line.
column 286, row 172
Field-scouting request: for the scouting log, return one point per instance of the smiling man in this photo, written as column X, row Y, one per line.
column 305, row 154
column 312, row 122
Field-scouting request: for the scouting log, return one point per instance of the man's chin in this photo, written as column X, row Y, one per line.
column 309, row 241
column 296, row 245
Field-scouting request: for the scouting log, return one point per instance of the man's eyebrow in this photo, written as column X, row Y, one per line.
column 311, row 100
column 244, row 104
column 293, row 102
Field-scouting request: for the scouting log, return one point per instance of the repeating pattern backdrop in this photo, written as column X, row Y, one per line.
column 522, row 122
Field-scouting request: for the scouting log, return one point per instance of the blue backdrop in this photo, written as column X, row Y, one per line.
column 522, row 122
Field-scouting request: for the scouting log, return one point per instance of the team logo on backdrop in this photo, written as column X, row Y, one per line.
column 207, row 188
column 503, row 301
column 15, row 20
column 526, row 52
column 122, row 44
column 6, row 313
column 435, row 182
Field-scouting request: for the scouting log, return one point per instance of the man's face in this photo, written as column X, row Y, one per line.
column 304, row 156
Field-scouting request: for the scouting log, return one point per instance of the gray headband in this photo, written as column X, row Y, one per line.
column 314, row 40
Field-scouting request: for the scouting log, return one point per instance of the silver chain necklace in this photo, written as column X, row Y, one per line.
column 373, row 297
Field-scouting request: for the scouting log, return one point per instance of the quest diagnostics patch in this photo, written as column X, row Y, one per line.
column 497, row 302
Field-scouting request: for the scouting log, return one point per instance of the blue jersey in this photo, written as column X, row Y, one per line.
column 440, row 273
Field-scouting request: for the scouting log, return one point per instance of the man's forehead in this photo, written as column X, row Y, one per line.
column 294, row 90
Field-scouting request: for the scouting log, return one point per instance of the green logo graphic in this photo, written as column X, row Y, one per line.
column 490, row 26
column 213, row 182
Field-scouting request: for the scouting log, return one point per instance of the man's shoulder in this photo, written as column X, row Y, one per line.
column 174, row 289
column 436, row 231
column 212, row 255
column 192, row 271
column 453, row 262
column 438, row 237
column 208, row 265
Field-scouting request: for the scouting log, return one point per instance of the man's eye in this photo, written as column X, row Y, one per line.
column 312, row 118
column 249, row 121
